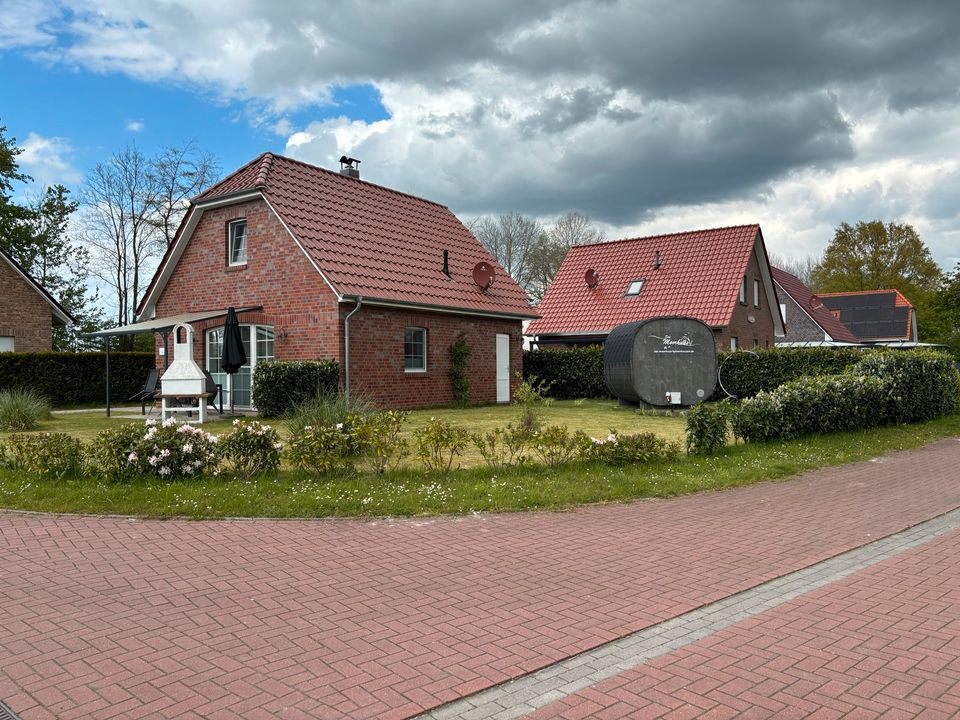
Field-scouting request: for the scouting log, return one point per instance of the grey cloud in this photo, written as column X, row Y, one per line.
column 563, row 111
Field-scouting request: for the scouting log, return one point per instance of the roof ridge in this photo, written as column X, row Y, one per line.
column 366, row 182
column 229, row 177
column 861, row 292
column 667, row 235
column 265, row 166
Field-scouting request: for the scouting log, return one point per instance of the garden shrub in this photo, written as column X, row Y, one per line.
column 922, row 383
column 168, row 450
column 49, row 455
column 328, row 408
column 75, row 378
column 617, row 449
column 568, row 373
column 250, row 448
column 502, row 447
column 378, row 440
column 439, row 443
column 281, row 385
column 531, row 397
column 22, row 410
column 707, row 427
column 555, row 445
column 322, row 448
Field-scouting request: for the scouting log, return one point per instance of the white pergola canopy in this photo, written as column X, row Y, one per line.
column 166, row 324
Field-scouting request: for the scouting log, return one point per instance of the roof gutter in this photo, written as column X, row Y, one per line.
column 441, row 309
column 346, row 350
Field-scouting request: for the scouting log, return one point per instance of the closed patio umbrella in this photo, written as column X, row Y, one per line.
column 234, row 356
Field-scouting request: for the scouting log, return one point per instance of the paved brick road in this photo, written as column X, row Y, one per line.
column 107, row 618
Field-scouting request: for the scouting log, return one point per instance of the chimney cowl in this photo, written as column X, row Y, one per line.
column 347, row 167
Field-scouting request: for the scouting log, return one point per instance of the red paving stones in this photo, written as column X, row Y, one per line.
column 107, row 618
column 884, row 642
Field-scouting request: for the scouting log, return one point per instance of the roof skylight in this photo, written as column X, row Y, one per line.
column 634, row 287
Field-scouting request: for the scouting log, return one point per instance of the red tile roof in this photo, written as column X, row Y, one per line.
column 699, row 276
column 811, row 304
column 375, row 242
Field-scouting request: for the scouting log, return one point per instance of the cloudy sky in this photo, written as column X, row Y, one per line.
column 649, row 116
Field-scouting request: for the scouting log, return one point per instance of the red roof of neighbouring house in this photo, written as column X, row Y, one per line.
column 812, row 305
column 874, row 314
column 699, row 276
column 371, row 241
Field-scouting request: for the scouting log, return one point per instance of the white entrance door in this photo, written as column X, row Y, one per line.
column 503, row 368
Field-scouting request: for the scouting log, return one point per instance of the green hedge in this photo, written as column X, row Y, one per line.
column 570, row 373
column 884, row 388
column 75, row 378
column 744, row 374
column 279, row 386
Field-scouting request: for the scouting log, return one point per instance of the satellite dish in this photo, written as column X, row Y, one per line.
column 592, row 278
column 483, row 275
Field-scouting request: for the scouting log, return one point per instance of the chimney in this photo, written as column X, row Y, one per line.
column 347, row 167
column 446, row 263
column 656, row 260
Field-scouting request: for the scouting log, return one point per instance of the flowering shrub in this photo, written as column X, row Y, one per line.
column 555, row 445
column 378, row 440
column 251, row 448
column 322, row 448
column 502, row 447
column 168, row 450
column 617, row 449
column 50, row 455
column 438, row 443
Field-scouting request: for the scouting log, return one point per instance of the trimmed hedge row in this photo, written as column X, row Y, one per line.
column 75, row 378
column 744, row 374
column 885, row 388
column 279, row 385
column 569, row 374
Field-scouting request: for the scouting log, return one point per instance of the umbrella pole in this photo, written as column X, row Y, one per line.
column 230, row 390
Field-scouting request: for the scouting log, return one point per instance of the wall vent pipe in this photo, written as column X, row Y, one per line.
column 446, row 263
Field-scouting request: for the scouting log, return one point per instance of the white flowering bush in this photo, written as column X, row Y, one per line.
column 168, row 450
column 251, row 448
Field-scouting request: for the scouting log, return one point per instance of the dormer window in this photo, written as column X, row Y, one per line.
column 634, row 287
column 237, row 242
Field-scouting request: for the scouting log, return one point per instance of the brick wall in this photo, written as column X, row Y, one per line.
column 24, row 313
column 799, row 326
column 759, row 331
column 296, row 302
column 308, row 323
column 376, row 356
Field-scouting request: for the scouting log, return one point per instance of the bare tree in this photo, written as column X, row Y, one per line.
column 569, row 230
column 801, row 268
column 512, row 239
column 179, row 174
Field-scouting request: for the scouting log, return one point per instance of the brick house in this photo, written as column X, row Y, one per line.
column 27, row 311
column 720, row 276
column 808, row 321
column 876, row 317
column 321, row 256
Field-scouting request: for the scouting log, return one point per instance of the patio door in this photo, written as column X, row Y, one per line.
column 257, row 344
column 503, row 368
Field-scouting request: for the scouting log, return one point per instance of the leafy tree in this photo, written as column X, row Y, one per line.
column 801, row 268
column 874, row 256
column 12, row 215
column 946, row 306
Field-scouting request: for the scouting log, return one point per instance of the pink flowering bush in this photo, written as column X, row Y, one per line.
column 168, row 450
column 251, row 448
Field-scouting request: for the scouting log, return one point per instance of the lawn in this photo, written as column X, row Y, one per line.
column 472, row 489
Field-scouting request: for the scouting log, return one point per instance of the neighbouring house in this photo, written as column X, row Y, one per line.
column 324, row 265
column 27, row 311
column 720, row 276
column 877, row 317
column 807, row 320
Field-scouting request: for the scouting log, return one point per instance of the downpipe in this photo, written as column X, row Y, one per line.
column 346, row 350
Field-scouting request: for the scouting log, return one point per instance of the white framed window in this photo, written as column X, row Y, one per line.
column 414, row 349
column 733, row 343
column 7, row 343
column 756, row 293
column 237, row 242
column 783, row 311
column 743, row 292
column 258, row 343
column 634, row 287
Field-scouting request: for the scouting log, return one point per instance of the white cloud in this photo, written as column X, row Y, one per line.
column 135, row 125
column 46, row 160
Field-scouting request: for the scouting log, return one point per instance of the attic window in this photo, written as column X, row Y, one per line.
column 237, row 242
column 634, row 288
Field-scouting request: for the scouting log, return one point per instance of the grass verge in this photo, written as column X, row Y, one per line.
column 293, row 494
